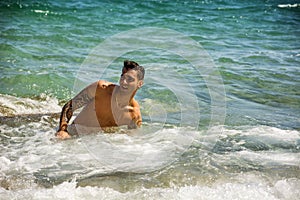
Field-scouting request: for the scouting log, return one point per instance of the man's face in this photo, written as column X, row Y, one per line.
column 129, row 82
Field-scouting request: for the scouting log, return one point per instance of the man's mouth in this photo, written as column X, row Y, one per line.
column 124, row 87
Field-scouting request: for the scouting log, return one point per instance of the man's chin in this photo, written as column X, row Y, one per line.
column 124, row 90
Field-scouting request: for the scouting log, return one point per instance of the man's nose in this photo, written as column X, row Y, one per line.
column 124, row 81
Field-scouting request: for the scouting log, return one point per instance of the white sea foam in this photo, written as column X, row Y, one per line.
column 265, row 134
column 30, row 152
column 295, row 5
column 17, row 105
column 41, row 11
column 144, row 151
column 259, row 146
column 248, row 187
column 271, row 158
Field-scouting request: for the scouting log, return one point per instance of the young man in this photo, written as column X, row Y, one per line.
column 106, row 104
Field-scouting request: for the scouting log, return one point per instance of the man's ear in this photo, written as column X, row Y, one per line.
column 140, row 83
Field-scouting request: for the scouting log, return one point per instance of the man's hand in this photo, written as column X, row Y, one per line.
column 135, row 115
column 63, row 135
column 104, row 84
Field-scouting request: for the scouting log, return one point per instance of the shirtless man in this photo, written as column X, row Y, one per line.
column 106, row 104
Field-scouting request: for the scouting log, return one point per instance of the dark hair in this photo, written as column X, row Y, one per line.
column 134, row 66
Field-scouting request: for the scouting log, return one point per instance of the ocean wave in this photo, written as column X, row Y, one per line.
column 162, row 161
column 257, row 138
column 295, row 5
column 11, row 105
column 247, row 187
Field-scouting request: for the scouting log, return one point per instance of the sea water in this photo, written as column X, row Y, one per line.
column 220, row 102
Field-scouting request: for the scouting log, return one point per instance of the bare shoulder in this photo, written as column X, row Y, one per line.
column 104, row 84
column 134, row 103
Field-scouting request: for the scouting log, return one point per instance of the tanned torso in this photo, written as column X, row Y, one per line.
column 104, row 111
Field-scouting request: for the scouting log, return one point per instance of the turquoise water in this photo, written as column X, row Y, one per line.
column 229, row 124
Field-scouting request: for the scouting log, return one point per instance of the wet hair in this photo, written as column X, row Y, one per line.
column 128, row 65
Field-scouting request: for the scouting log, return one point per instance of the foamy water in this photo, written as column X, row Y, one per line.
column 168, row 163
column 11, row 105
column 252, row 187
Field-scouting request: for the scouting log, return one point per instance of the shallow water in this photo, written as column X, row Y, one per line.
column 220, row 102
column 152, row 162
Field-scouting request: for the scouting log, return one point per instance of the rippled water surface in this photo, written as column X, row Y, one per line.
column 220, row 102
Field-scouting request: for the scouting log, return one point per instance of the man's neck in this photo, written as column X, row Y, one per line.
column 122, row 99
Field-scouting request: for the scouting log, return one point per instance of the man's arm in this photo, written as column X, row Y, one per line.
column 80, row 100
column 65, row 116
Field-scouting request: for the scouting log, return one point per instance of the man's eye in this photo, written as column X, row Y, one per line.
column 128, row 79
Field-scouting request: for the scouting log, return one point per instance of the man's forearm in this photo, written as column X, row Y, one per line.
column 65, row 116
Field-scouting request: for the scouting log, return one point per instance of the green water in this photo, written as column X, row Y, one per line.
column 226, row 128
